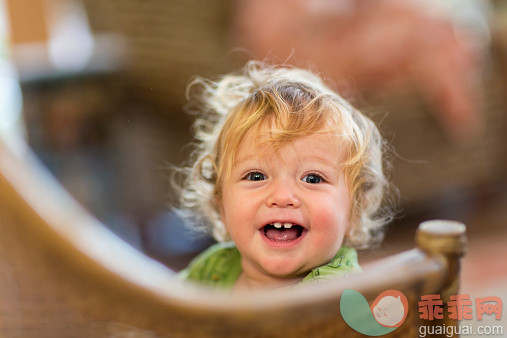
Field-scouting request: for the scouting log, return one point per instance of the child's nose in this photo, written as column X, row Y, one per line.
column 283, row 194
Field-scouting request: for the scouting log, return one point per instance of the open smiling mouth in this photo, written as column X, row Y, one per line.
column 283, row 232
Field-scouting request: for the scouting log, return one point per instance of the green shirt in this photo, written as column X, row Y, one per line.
column 220, row 266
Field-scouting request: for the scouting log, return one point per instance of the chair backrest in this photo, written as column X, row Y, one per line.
column 63, row 274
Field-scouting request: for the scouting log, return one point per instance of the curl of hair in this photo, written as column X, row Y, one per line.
column 301, row 104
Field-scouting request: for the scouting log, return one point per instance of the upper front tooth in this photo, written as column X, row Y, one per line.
column 277, row 225
column 287, row 225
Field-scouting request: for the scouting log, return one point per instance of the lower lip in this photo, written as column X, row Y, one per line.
column 282, row 244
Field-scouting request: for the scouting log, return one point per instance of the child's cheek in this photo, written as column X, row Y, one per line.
column 329, row 223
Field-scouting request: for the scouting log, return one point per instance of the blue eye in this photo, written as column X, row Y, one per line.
column 255, row 176
column 312, row 178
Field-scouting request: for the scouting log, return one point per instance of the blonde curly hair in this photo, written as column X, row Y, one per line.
column 297, row 103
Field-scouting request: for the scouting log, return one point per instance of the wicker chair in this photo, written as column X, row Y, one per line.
column 172, row 41
column 63, row 274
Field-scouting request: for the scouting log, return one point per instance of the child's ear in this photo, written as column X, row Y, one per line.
column 225, row 235
column 350, row 224
column 348, row 231
column 219, row 207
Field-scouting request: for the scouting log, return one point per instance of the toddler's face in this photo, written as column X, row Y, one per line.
column 287, row 211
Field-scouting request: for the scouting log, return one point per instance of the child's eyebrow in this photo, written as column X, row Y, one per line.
column 324, row 160
column 245, row 158
column 332, row 162
column 321, row 159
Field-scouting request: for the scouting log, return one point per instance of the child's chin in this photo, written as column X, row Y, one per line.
column 282, row 270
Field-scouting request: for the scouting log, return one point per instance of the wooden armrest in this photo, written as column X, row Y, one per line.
column 68, row 271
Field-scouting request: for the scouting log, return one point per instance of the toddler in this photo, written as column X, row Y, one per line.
column 286, row 175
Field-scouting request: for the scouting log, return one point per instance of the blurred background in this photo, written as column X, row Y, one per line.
column 100, row 90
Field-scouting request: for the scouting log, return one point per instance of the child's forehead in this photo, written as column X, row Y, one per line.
column 263, row 142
